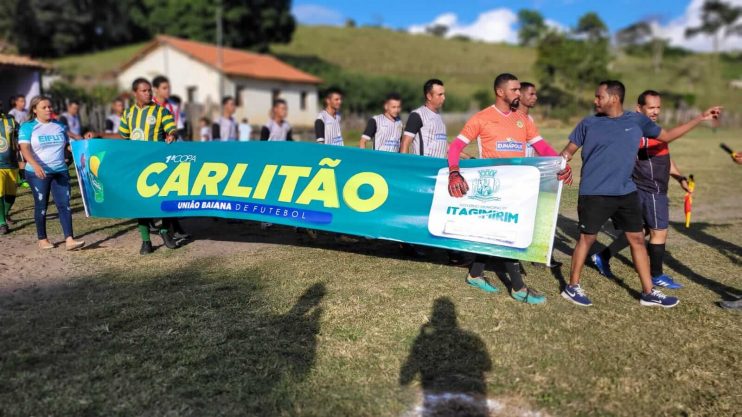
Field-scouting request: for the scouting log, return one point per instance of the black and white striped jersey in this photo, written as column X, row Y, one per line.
column 384, row 132
column 327, row 129
column 427, row 125
column 275, row 132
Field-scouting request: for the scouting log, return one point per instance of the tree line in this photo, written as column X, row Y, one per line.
column 53, row 28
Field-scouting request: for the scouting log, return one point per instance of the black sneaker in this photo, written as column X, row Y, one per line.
column 168, row 240
column 182, row 236
column 146, row 248
column 4, row 229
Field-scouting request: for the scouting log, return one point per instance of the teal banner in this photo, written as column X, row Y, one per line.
column 510, row 210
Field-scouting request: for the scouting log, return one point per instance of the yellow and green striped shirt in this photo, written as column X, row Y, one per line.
column 151, row 123
column 8, row 145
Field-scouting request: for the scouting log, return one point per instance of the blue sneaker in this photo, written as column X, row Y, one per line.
column 665, row 281
column 604, row 268
column 482, row 283
column 576, row 295
column 657, row 299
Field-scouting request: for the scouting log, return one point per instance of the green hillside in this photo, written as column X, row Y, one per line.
column 465, row 66
column 468, row 66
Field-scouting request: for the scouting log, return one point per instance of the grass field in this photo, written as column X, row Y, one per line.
column 250, row 322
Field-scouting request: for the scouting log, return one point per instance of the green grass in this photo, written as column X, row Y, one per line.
column 284, row 327
column 99, row 65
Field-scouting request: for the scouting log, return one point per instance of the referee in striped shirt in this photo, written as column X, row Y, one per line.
column 385, row 130
column 327, row 126
column 425, row 129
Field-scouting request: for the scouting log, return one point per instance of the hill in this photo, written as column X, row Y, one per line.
column 465, row 66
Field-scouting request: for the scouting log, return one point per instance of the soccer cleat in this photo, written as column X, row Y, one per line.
column 168, row 240
column 24, row 184
column 576, row 295
column 731, row 305
column 528, row 296
column 604, row 268
column 4, row 229
column 482, row 283
column 665, row 281
column 182, row 236
column 657, row 299
column 146, row 248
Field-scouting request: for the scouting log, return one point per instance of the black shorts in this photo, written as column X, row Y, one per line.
column 625, row 211
column 656, row 210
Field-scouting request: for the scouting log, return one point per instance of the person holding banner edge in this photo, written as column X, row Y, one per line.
column 501, row 133
column 148, row 121
column 609, row 142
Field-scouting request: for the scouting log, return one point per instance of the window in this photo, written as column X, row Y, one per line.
column 238, row 95
column 303, row 101
column 191, row 93
column 275, row 94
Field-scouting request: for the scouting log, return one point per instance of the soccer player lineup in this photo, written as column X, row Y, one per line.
column 626, row 169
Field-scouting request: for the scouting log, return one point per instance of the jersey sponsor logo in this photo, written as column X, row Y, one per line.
column 440, row 136
column 51, row 138
column 520, row 124
column 137, row 134
column 509, row 146
column 4, row 144
column 486, row 186
column 151, row 120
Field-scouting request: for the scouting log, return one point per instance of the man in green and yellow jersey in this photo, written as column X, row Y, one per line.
column 148, row 121
column 8, row 167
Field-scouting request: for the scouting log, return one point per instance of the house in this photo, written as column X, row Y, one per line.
column 255, row 80
column 20, row 75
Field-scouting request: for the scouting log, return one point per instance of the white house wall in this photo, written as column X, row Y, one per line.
column 257, row 98
column 182, row 71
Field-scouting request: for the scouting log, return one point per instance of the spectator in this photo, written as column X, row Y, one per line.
column 245, row 130
column 46, row 169
column 71, row 119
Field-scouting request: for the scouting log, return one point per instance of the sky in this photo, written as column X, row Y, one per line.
column 497, row 21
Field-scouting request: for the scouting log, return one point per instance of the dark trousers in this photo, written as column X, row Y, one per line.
column 58, row 184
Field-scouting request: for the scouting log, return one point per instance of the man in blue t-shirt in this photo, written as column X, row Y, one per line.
column 609, row 142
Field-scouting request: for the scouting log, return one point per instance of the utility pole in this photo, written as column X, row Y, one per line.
column 219, row 53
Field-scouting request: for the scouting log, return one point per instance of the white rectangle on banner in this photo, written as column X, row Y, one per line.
column 500, row 207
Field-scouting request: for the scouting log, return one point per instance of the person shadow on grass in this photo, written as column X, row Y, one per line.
column 452, row 363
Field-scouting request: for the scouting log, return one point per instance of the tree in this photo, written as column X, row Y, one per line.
column 253, row 24
column 643, row 34
column 532, row 27
column 59, row 27
column 715, row 16
column 49, row 28
column 591, row 26
column 573, row 63
column 437, row 29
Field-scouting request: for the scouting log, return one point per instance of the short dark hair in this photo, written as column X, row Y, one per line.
column 226, row 100
column 73, row 102
column 176, row 99
column 135, row 84
column 332, row 90
column 615, row 88
column 278, row 101
column 503, row 78
column 392, row 96
column 428, row 86
column 159, row 80
column 524, row 85
column 642, row 100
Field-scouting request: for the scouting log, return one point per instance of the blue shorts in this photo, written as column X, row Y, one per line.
column 655, row 210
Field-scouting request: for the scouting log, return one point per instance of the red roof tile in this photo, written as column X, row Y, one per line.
column 234, row 61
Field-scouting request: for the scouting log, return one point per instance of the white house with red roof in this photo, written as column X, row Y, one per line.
column 255, row 80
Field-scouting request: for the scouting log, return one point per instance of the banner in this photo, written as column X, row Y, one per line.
column 510, row 210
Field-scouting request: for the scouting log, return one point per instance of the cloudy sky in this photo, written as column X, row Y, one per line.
column 497, row 20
